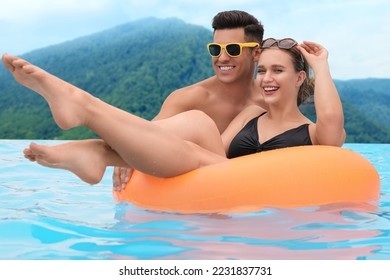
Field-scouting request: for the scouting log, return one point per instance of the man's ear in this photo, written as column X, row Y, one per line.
column 256, row 53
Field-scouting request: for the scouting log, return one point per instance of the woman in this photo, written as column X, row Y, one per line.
column 171, row 147
column 283, row 77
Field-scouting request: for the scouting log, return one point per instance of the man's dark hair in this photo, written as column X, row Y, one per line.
column 253, row 29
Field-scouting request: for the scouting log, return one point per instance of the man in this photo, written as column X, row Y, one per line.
column 232, row 88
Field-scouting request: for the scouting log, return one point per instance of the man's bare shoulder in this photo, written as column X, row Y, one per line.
column 198, row 90
column 193, row 97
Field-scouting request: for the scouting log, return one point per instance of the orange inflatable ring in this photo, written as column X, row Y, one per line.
column 283, row 178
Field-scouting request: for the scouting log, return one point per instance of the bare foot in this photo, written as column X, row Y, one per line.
column 67, row 102
column 85, row 158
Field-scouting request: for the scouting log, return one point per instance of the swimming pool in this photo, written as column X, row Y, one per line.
column 50, row 214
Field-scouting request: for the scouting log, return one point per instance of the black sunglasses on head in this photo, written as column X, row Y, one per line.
column 286, row 43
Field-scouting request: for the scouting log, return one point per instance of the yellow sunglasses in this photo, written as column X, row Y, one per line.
column 232, row 49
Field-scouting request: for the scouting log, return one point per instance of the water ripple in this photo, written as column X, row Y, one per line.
column 51, row 214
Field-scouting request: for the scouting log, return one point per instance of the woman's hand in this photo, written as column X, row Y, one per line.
column 315, row 54
column 329, row 129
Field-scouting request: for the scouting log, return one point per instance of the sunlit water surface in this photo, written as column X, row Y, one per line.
column 50, row 214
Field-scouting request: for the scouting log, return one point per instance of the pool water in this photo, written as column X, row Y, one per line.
column 50, row 214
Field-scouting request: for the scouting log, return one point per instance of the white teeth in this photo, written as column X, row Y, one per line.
column 226, row 68
column 270, row 88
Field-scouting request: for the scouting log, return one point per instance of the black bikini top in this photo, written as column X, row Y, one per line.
column 247, row 140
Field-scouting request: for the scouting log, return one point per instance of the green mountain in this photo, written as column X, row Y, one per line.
column 366, row 104
column 136, row 65
column 133, row 67
column 367, row 109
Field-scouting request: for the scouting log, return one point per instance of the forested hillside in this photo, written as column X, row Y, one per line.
column 366, row 105
column 135, row 66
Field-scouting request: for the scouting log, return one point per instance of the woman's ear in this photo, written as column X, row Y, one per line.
column 301, row 78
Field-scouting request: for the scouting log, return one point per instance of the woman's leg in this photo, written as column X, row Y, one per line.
column 197, row 127
column 88, row 159
column 143, row 145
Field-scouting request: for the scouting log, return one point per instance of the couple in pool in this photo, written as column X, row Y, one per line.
column 172, row 145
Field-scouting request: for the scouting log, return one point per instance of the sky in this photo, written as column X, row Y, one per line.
column 356, row 33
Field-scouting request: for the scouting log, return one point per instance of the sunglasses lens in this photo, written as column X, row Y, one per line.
column 214, row 49
column 287, row 43
column 233, row 49
column 268, row 43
